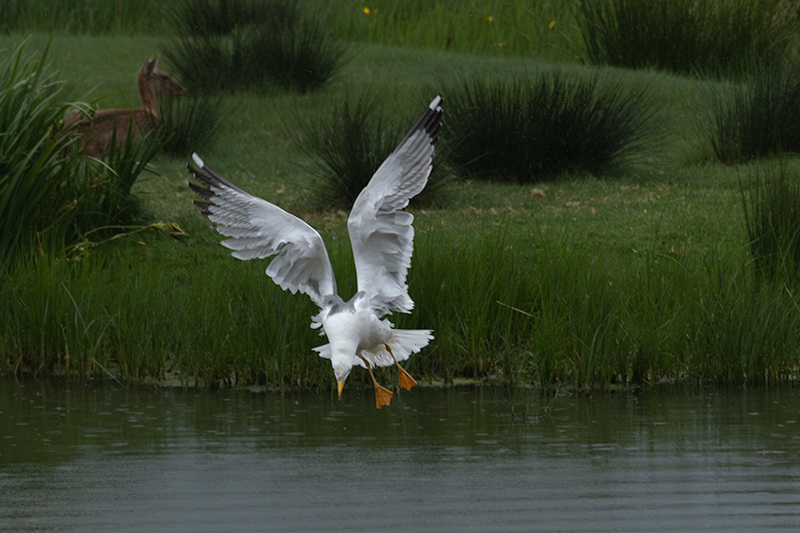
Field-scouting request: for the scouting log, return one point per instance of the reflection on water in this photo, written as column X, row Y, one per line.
column 74, row 458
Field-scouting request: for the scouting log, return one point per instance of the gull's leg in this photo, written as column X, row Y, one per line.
column 406, row 381
column 382, row 395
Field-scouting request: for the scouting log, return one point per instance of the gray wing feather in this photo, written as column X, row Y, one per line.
column 259, row 229
column 381, row 234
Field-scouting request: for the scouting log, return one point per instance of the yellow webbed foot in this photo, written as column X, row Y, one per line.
column 406, row 381
column 382, row 396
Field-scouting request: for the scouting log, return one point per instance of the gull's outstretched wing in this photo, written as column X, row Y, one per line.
column 260, row 229
column 381, row 234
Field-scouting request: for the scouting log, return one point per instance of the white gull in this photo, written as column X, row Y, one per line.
column 382, row 239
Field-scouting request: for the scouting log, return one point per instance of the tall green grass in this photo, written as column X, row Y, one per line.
column 503, row 306
column 553, row 312
column 516, row 27
column 232, row 326
column 532, row 310
column 742, row 329
column 94, row 17
column 531, row 128
column 720, row 39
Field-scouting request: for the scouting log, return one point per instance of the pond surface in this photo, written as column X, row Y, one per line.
column 105, row 458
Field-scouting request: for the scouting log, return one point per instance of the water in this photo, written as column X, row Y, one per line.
column 77, row 458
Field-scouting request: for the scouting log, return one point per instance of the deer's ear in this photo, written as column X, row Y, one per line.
column 151, row 64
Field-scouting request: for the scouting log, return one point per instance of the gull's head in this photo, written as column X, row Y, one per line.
column 342, row 327
column 342, row 363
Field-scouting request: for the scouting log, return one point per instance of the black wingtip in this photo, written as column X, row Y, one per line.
column 430, row 121
column 208, row 178
column 207, row 181
column 202, row 190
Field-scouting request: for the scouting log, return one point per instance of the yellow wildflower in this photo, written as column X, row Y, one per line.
column 366, row 11
column 552, row 25
column 489, row 18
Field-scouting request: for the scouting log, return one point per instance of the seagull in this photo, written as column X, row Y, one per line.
column 382, row 239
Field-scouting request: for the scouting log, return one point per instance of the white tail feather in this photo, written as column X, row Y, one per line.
column 403, row 343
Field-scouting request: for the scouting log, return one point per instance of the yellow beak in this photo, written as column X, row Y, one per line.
column 340, row 385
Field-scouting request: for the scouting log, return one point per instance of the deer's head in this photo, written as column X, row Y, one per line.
column 158, row 81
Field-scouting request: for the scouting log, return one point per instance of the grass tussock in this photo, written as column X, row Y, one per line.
column 771, row 201
column 109, row 203
column 757, row 118
column 532, row 128
column 233, row 45
column 190, row 123
column 720, row 39
column 33, row 166
column 348, row 146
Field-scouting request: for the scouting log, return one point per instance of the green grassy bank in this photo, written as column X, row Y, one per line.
column 633, row 276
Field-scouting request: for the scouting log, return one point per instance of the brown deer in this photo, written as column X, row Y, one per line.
column 97, row 131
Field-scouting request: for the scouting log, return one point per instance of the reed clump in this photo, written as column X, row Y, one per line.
column 109, row 204
column 349, row 145
column 50, row 198
column 771, row 202
column 757, row 118
column 526, row 129
column 32, row 164
column 190, row 123
column 232, row 45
